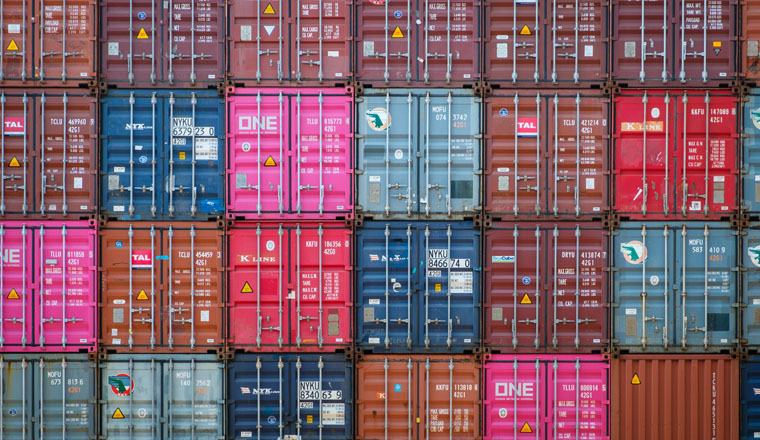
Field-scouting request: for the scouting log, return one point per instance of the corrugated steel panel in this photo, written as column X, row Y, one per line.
column 412, row 163
column 750, row 293
column 290, row 153
column 418, row 287
column 546, row 287
column 162, row 155
column 48, row 154
column 750, row 400
column 290, row 287
column 418, row 397
column 161, row 397
column 162, row 287
column 290, row 397
column 751, row 152
column 750, row 41
column 545, row 396
column 674, row 286
column 674, row 397
column 680, row 164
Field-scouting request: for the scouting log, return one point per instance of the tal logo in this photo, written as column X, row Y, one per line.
column 142, row 259
column 13, row 126
column 527, row 127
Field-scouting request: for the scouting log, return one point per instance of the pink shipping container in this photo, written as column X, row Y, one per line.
column 290, row 154
column 276, row 299
column 545, row 396
column 61, row 257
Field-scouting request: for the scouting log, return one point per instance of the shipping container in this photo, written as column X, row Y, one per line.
column 750, row 43
column 48, row 154
column 420, row 166
column 48, row 43
column 291, row 42
column 671, row 397
column 47, row 286
column 670, row 161
column 47, row 396
column 540, row 43
column 161, row 287
column 171, row 44
column 305, row 396
column 290, row 287
column 547, row 155
column 418, row 287
column 290, row 154
column 546, row 287
column 674, row 287
column 418, row 397
column 149, row 396
column 750, row 136
column 546, row 397
column 750, row 402
column 674, row 43
column 750, row 296
column 401, row 43
column 162, row 155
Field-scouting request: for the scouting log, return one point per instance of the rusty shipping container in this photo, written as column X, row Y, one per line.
column 665, row 43
column 541, row 43
column 293, row 42
column 175, row 43
column 161, row 287
column 750, row 41
column 418, row 397
column 656, row 397
column 48, row 154
column 48, row 43
column 547, row 155
column 546, row 287
column 403, row 44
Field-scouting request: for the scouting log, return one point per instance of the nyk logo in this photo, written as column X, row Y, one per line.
column 247, row 123
column 142, row 259
column 523, row 389
column 527, row 127
column 13, row 126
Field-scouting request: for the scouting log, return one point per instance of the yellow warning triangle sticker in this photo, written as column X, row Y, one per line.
column 525, row 30
column 635, row 380
column 117, row 414
column 142, row 295
column 269, row 9
column 526, row 300
column 13, row 45
column 142, row 35
column 13, row 294
column 397, row 33
column 14, row 162
column 526, row 428
column 246, row 288
column 270, row 162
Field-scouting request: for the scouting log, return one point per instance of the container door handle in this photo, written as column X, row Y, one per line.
column 2, row 361
column 644, row 289
column 2, row 310
column 153, row 210
column 684, row 237
column 192, row 294
column 279, row 282
column 23, row 285
column 451, row 398
column 62, row 187
column 43, row 178
column 280, row 188
column 707, row 152
column 538, row 388
column 515, row 234
column 321, row 171
column 577, row 195
column 555, row 373
column 408, row 286
column 131, row 147
column 644, row 183
column 193, row 56
column 41, row 407
column 427, row 154
column 665, row 338
column 320, row 365
column 707, row 294
column 386, row 320
column 152, row 289
column 427, row 397
column 408, row 397
column 170, row 406
column 534, row 55
column 298, row 154
column 172, row 310
column 280, row 365
column 576, row 77
column 555, row 101
column 2, row 138
column 258, row 396
column 171, row 43
column 258, row 148
column 387, row 162
column 577, row 396
column 448, row 287
column 298, row 284
column 666, row 189
column 258, row 283
column 577, row 340
column 171, row 147
column 321, row 284
column 514, row 75
column 427, row 289
column 43, row 54
column 448, row 159
column 409, row 184
column 555, row 235
column 514, row 401
column 193, row 207
column 298, row 381
column 24, row 365
column 538, row 152
column 64, row 319
column 42, row 287
column 63, row 396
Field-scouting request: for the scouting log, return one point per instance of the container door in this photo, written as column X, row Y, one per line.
column 324, row 401
column 66, row 291
column 258, row 40
column 705, row 43
column 193, row 403
column 706, row 275
column 750, row 43
column 513, row 408
column 388, row 399
column 66, row 35
column 579, row 400
column 16, row 269
column 16, row 148
column 449, row 47
column 16, row 398
column 513, row 49
column 16, row 39
column 388, row 34
column 322, row 41
column 387, row 149
column 642, row 42
column 450, row 399
column 130, row 402
column 195, row 49
column 751, row 153
column 750, row 416
column 195, row 174
column 131, row 33
column 449, row 305
column 579, row 42
column 385, row 287
column 64, row 399
column 259, row 287
column 133, row 180
column 750, row 254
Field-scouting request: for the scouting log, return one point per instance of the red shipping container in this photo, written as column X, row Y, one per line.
column 290, row 287
column 47, row 286
column 546, row 287
column 680, row 163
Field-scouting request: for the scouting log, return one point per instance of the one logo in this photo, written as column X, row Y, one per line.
column 755, row 115
column 121, row 384
column 378, row 119
column 754, row 254
column 634, row 252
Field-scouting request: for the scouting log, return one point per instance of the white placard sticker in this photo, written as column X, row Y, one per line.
column 78, row 181
column 374, row 179
column 113, row 48
column 116, row 341
column 460, row 282
column 119, row 169
column 719, row 178
column 246, row 33
column 206, row 149
column 118, row 208
column 374, row 301
column 16, row 29
column 502, row 50
column 205, row 315
column 333, row 53
column 114, row 332
column 630, row 311
column 333, row 414
column 374, row 340
column 590, row 182
column 588, row 50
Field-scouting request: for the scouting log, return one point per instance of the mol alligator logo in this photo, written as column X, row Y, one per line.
column 121, row 384
column 379, row 119
column 754, row 255
column 755, row 115
column 634, row 252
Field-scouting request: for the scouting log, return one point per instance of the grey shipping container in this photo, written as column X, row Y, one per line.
column 674, row 286
column 154, row 396
column 750, row 257
column 47, row 396
column 419, row 153
column 751, row 152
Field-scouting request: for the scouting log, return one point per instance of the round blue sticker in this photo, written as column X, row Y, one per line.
column 119, row 244
column 143, row 159
column 272, row 420
column 12, row 412
column 503, row 112
column 526, row 280
column 398, row 14
column 141, row 15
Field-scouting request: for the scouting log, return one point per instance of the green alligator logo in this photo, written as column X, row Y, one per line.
column 754, row 114
column 634, row 252
column 121, row 384
column 379, row 119
column 754, row 255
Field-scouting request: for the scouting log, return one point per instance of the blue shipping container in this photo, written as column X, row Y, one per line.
column 750, row 398
column 750, row 255
column 291, row 396
column 419, row 153
column 751, row 152
column 418, row 287
column 162, row 155
column 674, row 286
